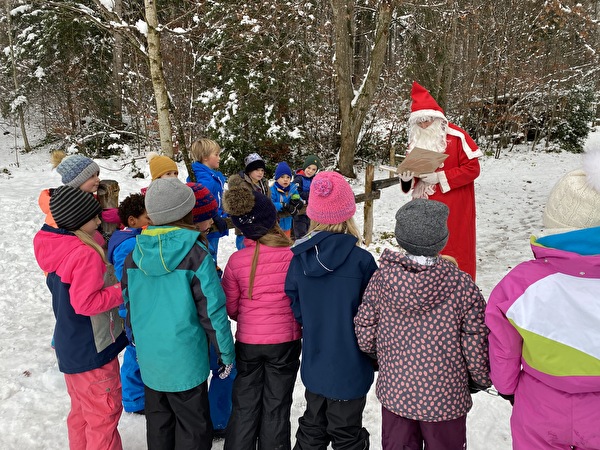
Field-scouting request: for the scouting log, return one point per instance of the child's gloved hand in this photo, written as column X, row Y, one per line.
column 295, row 205
column 430, row 178
column 224, row 370
column 407, row 176
column 220, row 224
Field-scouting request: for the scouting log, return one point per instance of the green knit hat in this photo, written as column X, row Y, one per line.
column 311, row 159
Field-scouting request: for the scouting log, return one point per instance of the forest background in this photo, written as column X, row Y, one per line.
column 289, row 78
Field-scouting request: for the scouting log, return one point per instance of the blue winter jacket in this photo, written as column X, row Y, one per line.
column 175, row 305
column 121, row 244
column 325, row 281
column 279, row 197
column 214, row 181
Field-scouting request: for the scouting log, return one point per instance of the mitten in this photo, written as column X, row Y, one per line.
column 295, row 205
column 474, row 387
column 285, row 208
column 407, row 176
column 220, row 224
column 224, row 370
column 111, row 215
column 430, row 178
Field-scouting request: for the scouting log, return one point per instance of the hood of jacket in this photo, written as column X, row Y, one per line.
column 322, row 252
column 160, row 249
column 424, row 287
column 53, row 245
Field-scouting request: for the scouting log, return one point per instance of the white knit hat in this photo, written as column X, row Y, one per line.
column 575, row 200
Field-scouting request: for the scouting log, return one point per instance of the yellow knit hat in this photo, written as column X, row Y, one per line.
column 159, row 165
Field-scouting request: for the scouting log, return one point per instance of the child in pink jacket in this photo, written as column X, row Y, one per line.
column 268, row 338
column 88, row 335
column 544, row 321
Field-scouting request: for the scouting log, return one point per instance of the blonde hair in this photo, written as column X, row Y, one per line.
column 452, row 259
column 89, row 241
column 346, row 227
column 275, row 237
column 203, row 148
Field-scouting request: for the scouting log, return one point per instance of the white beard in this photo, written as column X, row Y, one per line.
column 431, row 138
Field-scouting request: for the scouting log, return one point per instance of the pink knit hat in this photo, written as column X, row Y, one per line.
column 331, row 199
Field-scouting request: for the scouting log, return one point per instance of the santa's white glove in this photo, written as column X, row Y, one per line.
column 407, row 176
column 430, row 178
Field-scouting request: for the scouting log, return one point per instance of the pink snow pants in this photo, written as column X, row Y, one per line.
column 545, row 418
column 95, row 408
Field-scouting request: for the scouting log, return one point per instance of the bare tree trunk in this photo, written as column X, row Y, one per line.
column 354, row 107
column 26, row 145
column 158, row 80
column 117, row 70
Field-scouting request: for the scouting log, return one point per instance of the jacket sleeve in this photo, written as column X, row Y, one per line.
column 504, row 340
column 275, row 198
column 210, row 304
column 464, row 173
column 366, row 321
column 474, row 336
column 291, row 290
column 85, row 274
column 119, row 255
column 232, row 290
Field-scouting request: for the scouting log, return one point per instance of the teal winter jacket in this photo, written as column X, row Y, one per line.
column 175, row 306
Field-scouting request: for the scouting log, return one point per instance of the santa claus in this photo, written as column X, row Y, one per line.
column 453, row 182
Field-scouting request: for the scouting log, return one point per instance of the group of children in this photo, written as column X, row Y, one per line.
column 320, row 304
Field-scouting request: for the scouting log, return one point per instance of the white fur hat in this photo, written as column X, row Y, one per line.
column 575, row 200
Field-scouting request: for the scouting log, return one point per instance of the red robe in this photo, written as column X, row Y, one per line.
column 457, row 190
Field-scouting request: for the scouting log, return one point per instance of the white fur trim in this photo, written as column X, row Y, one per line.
column 426, row 113
column 470, row 152
column 445, row 187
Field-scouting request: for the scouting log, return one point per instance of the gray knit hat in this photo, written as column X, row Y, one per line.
column 168, row 200
column 421, row 227
column 76, row 170
column 71, row 208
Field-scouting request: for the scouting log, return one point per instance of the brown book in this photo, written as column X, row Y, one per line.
column 421, row 161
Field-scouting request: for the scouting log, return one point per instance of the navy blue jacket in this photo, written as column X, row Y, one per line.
column 326, row 281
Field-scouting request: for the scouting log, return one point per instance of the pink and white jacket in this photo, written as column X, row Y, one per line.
column 544, row 316
column 267, row 318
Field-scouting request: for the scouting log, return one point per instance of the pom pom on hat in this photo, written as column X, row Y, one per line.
column 421, row 227
column 72, row 208
column 168, row 200
column 423, row 104
column 282, row 169
column 159, row 165
column 76, row 170
column 574, row 201
column 330, row 199
column 252, row 162
column 251, row 212
column 310, row 160
column 206, row 206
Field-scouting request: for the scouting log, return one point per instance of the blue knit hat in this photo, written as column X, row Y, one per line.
column 282, row 169
column 76, row 170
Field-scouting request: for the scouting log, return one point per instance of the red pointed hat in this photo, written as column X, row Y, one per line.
column 423, row 104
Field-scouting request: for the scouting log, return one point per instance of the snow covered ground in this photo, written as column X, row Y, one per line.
column 511, row 192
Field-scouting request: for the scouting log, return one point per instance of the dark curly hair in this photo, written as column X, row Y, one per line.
column 133, row 205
